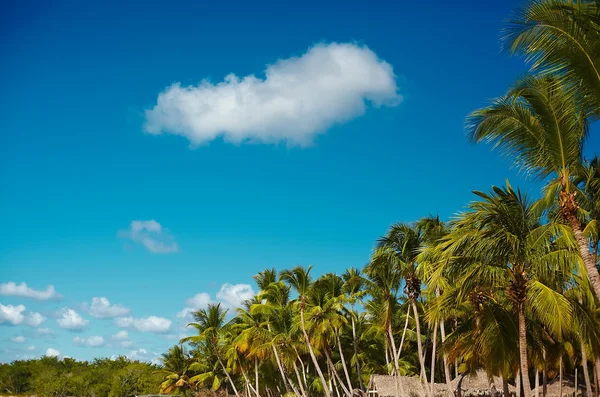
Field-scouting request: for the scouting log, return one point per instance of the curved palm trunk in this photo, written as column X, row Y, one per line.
column 433, row 359
column 403, row 333
column 445, row 355
column 355, row 342
column 335, row 373
column 311, row 352
column 523, row 352
column 544, row 375
column 343, row 360
column 598, row 376
column 300, row 383
column 560, row 377
column 584, row 249
column 281, row 370
column 586, row 372
column 228, row 376
column 398, row 382
column 419, row 343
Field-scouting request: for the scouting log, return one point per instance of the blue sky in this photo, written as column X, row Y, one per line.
column 292, row 171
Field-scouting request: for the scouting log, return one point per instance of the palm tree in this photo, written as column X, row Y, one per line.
column 499, row 243
column 353, row 287
column 176, row 370
column 561, row 37
column 401, row 246
column 211, row 326
column 299, row 279
column 544, row 128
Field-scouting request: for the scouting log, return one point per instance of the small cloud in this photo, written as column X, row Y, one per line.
column 71, row 320
column 144, row 355
column 92, row 341
column 50, row 352
column 102, row 308
column 121, row 335
column 230, row 296
column 45, row 332
column 30, row 348
column 233, row 296
column 15, row 315
column 152, row 324
column 299, row 98
column 18, row 339
column 121, row 339
column 151, row 235
column 22, row 290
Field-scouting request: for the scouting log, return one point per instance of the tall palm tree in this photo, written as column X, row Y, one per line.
column 354, row 285
column 176, row 371
column 543, row 128
column 211, row 326
column 401, row 246
column 561, row 37
column 299, row 279
column 501, row 244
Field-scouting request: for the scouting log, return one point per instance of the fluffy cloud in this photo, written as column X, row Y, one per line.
column 153, row 324
column 16, row 315
column 50, row 352
column 71, row 320
column 151, row 235
column 230, row 296
column 45, row 332
column 18, row 339
column 30, row 348
column 299, row 98
column 102, row 308
column 233, row 296
column 22, row 290
column 121, row 339
column 92, row 341
column 144, row 355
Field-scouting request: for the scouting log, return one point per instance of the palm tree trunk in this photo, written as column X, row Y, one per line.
column 311, row 352
column 505, row 389
column 403, row 333
column 433, row 350
column 560, row 376
column 584, row 249
column 398, row 383
column 523, row 352
column 281, row 370
column 598, row 376
column 256, row 376
column 339, row 343
column 537, row 383
column 518, row 383
column 544, row 375
column 228, row 377
column 445, row 355
column 586, row 372
column 419, row 344
column 459, row 385
column 356, row 358
column 300, row 383
column 335, row 373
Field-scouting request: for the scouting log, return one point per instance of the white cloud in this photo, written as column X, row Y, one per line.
column 18, row 339
column 30, row 348
column 151, row 235
column 144, row 355
column 299, row 98
column 35, row 319
column 50, row 352
column 11, row 314
column 45, row 332
column 230, row 296
column 233, row 296
column 16, row 315
column 148, row 324
column 92, row 341
column 121, row 339
column 13, row 289
column 71, row 320
column 102, row 308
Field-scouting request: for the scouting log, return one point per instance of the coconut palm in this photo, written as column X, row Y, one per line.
column 211, row 326
column 176, row 371
column 561, row 37
column 499, row 243
column 544, row 129
column 354, row 285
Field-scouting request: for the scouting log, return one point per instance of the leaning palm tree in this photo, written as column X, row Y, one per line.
column 543, row 128
column 561, row 37
column 211, row 326
column 499, row 243
column 299, row 279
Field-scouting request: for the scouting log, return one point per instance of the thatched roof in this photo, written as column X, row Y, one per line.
column 480, row 382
